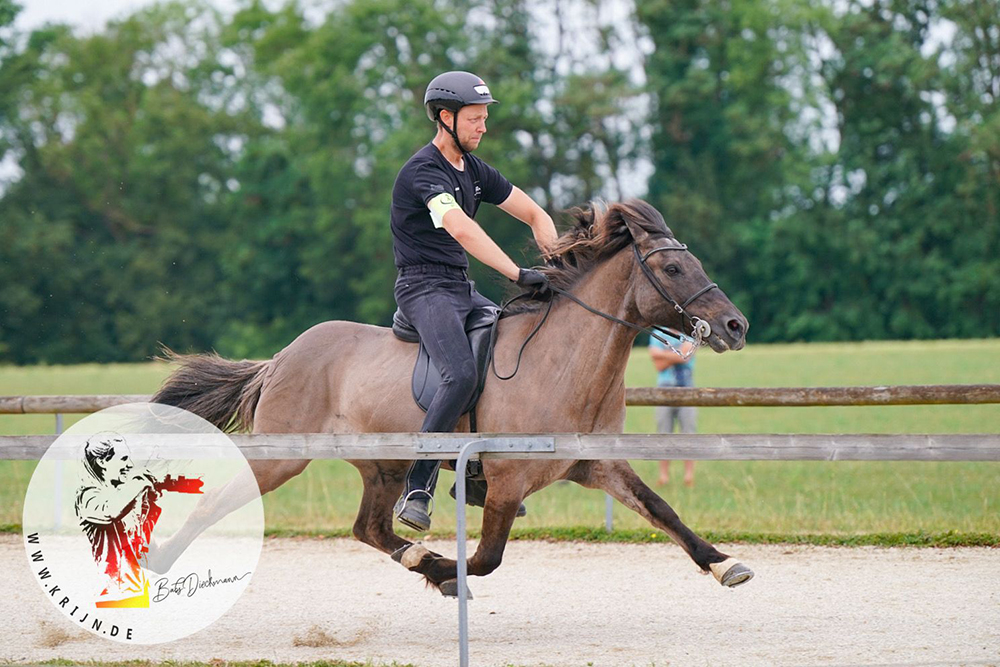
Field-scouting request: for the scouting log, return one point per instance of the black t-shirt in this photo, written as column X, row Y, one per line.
column 415, row 239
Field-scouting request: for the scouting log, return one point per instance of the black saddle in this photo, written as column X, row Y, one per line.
column 426, row 377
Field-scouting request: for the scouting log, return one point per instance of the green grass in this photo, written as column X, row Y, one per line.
column 889, row 502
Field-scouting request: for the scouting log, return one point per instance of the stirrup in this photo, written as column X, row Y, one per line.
column 401, row 503
column 401, row 507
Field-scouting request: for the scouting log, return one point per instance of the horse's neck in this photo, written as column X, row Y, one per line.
column 580, row 357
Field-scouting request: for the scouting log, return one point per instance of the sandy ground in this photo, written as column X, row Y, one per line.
column 571, row 604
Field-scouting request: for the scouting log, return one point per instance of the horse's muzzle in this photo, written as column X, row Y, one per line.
column 729, row 332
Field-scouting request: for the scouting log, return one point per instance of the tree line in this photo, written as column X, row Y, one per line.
column 222, row 181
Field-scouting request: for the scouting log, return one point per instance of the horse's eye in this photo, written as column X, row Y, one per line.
column 671, row 270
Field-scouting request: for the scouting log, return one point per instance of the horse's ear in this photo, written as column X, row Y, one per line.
column 631, row 219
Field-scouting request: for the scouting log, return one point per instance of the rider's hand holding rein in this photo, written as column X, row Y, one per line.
column 477, row 242
column 536, row 281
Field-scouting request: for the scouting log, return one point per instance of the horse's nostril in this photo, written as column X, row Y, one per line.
column 735, row 327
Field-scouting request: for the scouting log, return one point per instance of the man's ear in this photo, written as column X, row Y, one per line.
column 449, row 119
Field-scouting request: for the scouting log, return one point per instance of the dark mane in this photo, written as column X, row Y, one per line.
column 599, row 231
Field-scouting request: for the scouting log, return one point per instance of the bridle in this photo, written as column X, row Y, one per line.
column 700, row 329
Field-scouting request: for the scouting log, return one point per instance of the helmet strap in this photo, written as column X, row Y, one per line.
column 453, row 130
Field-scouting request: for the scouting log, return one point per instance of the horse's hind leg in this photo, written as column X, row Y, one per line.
column 618, row 479
column 258, row 478
column 384, row 481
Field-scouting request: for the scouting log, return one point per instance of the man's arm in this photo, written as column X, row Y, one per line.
column 664, row 359
column 477, row 242
column 524, row 208
column 107, row 505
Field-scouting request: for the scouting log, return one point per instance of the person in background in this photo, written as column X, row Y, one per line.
column 674, row 371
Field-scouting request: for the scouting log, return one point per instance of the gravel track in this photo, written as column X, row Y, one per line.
column 570, row 604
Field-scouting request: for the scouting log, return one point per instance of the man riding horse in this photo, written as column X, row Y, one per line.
column 616, row 271
column 434, row 202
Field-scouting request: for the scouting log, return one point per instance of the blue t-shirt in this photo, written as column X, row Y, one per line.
column 415, row 239
column 678, row 375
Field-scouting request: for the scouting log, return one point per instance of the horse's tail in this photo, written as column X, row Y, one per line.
column 218, row 390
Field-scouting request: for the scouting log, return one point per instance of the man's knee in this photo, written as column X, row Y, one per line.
column 461, row 377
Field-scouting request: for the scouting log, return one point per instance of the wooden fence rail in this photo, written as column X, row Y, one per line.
column 403, row 446
column 960, row 394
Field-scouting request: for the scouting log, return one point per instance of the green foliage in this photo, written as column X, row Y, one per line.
column 224, row 182
column 109, row 238
column 880, row 221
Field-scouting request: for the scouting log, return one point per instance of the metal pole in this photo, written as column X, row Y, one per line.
column 468, row 450
column 57, row 500
column 609, row 518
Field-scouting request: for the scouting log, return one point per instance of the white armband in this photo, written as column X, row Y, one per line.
column 440, row 205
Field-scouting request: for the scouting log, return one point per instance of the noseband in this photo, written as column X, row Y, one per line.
column 700, row 329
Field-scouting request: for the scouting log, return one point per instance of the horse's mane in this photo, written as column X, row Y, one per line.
column 598, row 231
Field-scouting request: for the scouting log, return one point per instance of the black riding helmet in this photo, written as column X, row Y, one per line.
column 452, row 91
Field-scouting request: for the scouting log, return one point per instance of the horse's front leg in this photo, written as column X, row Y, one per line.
column 619, row 480
column 503, row 499
column 383, row 482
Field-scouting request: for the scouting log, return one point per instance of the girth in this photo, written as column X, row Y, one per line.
column 426, row 377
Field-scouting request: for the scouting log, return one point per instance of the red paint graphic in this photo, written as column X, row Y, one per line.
column 117, row 511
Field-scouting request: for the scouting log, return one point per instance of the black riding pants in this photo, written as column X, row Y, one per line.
column 437, row 299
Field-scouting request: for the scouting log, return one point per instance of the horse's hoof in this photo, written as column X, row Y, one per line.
column 410, row 555
column 449, row 589
column 731, row 573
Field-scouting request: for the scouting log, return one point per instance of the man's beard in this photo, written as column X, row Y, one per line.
column 464, row 147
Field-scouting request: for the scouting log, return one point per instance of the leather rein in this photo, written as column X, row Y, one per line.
column 700, row 329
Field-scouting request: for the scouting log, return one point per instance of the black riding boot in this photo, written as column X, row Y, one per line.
column 414, row 507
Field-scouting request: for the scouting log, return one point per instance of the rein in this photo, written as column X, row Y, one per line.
column 700, row 329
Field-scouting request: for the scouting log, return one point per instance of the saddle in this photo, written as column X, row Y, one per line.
column 426, row 377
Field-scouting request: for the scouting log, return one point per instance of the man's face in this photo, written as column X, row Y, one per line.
column 117, row 467
column 471, row 125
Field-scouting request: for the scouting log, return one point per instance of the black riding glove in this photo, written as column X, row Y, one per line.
column 535, row 281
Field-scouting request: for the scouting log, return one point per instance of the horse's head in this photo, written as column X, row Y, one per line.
column 671, row 287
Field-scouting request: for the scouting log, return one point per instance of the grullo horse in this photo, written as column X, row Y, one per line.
column 342, row 377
